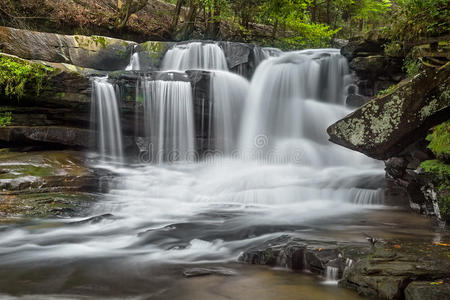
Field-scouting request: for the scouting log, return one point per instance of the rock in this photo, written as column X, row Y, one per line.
column 386, row 125
column 355, row 100
column 96, row 52
column 339, row 43
column 151, row 54
column 420, row 290
column 360, row 47
column 47, row 183
column 391, row 268
column 197, row 272
column 371, row 64
column 63, row 136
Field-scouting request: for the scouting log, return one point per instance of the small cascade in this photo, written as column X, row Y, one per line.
column 195, row 55
column 134, row 64
column 261, row 54
column 105, row 116
column 228, row 93
column 331, row 275
column 169, row 120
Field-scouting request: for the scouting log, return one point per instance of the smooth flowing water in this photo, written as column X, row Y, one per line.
column 278, row 175
column 169, row 119
column 105, row 116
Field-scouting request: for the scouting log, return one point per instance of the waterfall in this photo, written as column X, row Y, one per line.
column 331, row 275
column 134, row 64
column 195, row 56
column 228, row 93
column 290, row 98
column 169, row 120
column 105, row 114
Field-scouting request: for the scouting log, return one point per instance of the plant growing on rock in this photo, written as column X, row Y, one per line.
column 17, row 76
column 5, row 119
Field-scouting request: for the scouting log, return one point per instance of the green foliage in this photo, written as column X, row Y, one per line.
column 16, row 76
column 440, row 141
column 413, row 19
column 438, row 169
column 393, row 49
column 411, row 66
column 5, row 119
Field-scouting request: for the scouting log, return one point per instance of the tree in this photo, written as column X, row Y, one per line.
column 125, row 8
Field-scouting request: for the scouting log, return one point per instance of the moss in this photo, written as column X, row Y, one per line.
column 18, row 76
column 387, row 91
column 440, row 141
column 154, row 49
column 16, row 171
column 100, row 40
column 5, row 119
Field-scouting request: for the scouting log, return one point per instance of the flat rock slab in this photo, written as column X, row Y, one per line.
column 197, row 272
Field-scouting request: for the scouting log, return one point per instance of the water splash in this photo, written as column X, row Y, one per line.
column 195, row 55
column 105, row 116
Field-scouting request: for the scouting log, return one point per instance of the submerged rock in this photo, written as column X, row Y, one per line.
column 197, row 272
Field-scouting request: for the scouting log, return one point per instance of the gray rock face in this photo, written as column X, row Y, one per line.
column 96, row 52
column 421, row 290
column 386, row 125
column 360, row 47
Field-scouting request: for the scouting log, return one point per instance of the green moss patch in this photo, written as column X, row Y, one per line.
column 18, row 76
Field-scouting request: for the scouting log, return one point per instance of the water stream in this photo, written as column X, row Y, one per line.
column 277, row 174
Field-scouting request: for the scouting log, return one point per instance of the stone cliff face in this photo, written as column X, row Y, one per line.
column 394, row 125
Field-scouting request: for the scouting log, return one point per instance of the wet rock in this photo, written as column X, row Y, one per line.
column 355, row 100
column 420, row 290
column 361, row 47
column 386, row 125
column 394, row 266
column 339, row 43
column 51, row 183
column 94, row 220
column 297, row 254
column 197, row 272
column 56, row 135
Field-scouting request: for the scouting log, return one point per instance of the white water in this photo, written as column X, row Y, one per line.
column 195, row 56
column 228, row 93
column 169, row 119
column 134, row 64
column 105, row 113
column 210, row 211
column 332, row 275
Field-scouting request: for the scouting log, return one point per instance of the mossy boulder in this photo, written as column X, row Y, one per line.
column 386, row 125
column 96, row 52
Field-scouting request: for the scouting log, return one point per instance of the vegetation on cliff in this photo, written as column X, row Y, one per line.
column 439, row 169
column 18, row 76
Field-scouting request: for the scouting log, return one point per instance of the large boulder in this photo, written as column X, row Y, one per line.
column 385, row 126
column 96, row 52
column 362, row 47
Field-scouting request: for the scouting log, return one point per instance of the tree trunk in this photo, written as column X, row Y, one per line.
column 176, row 15
column 190, row 19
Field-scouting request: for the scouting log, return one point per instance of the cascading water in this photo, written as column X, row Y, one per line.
column 105, row 116
column 288, row 180
column 134, row 64
column 169, row 120
column 228, row 93
column 195, row 55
